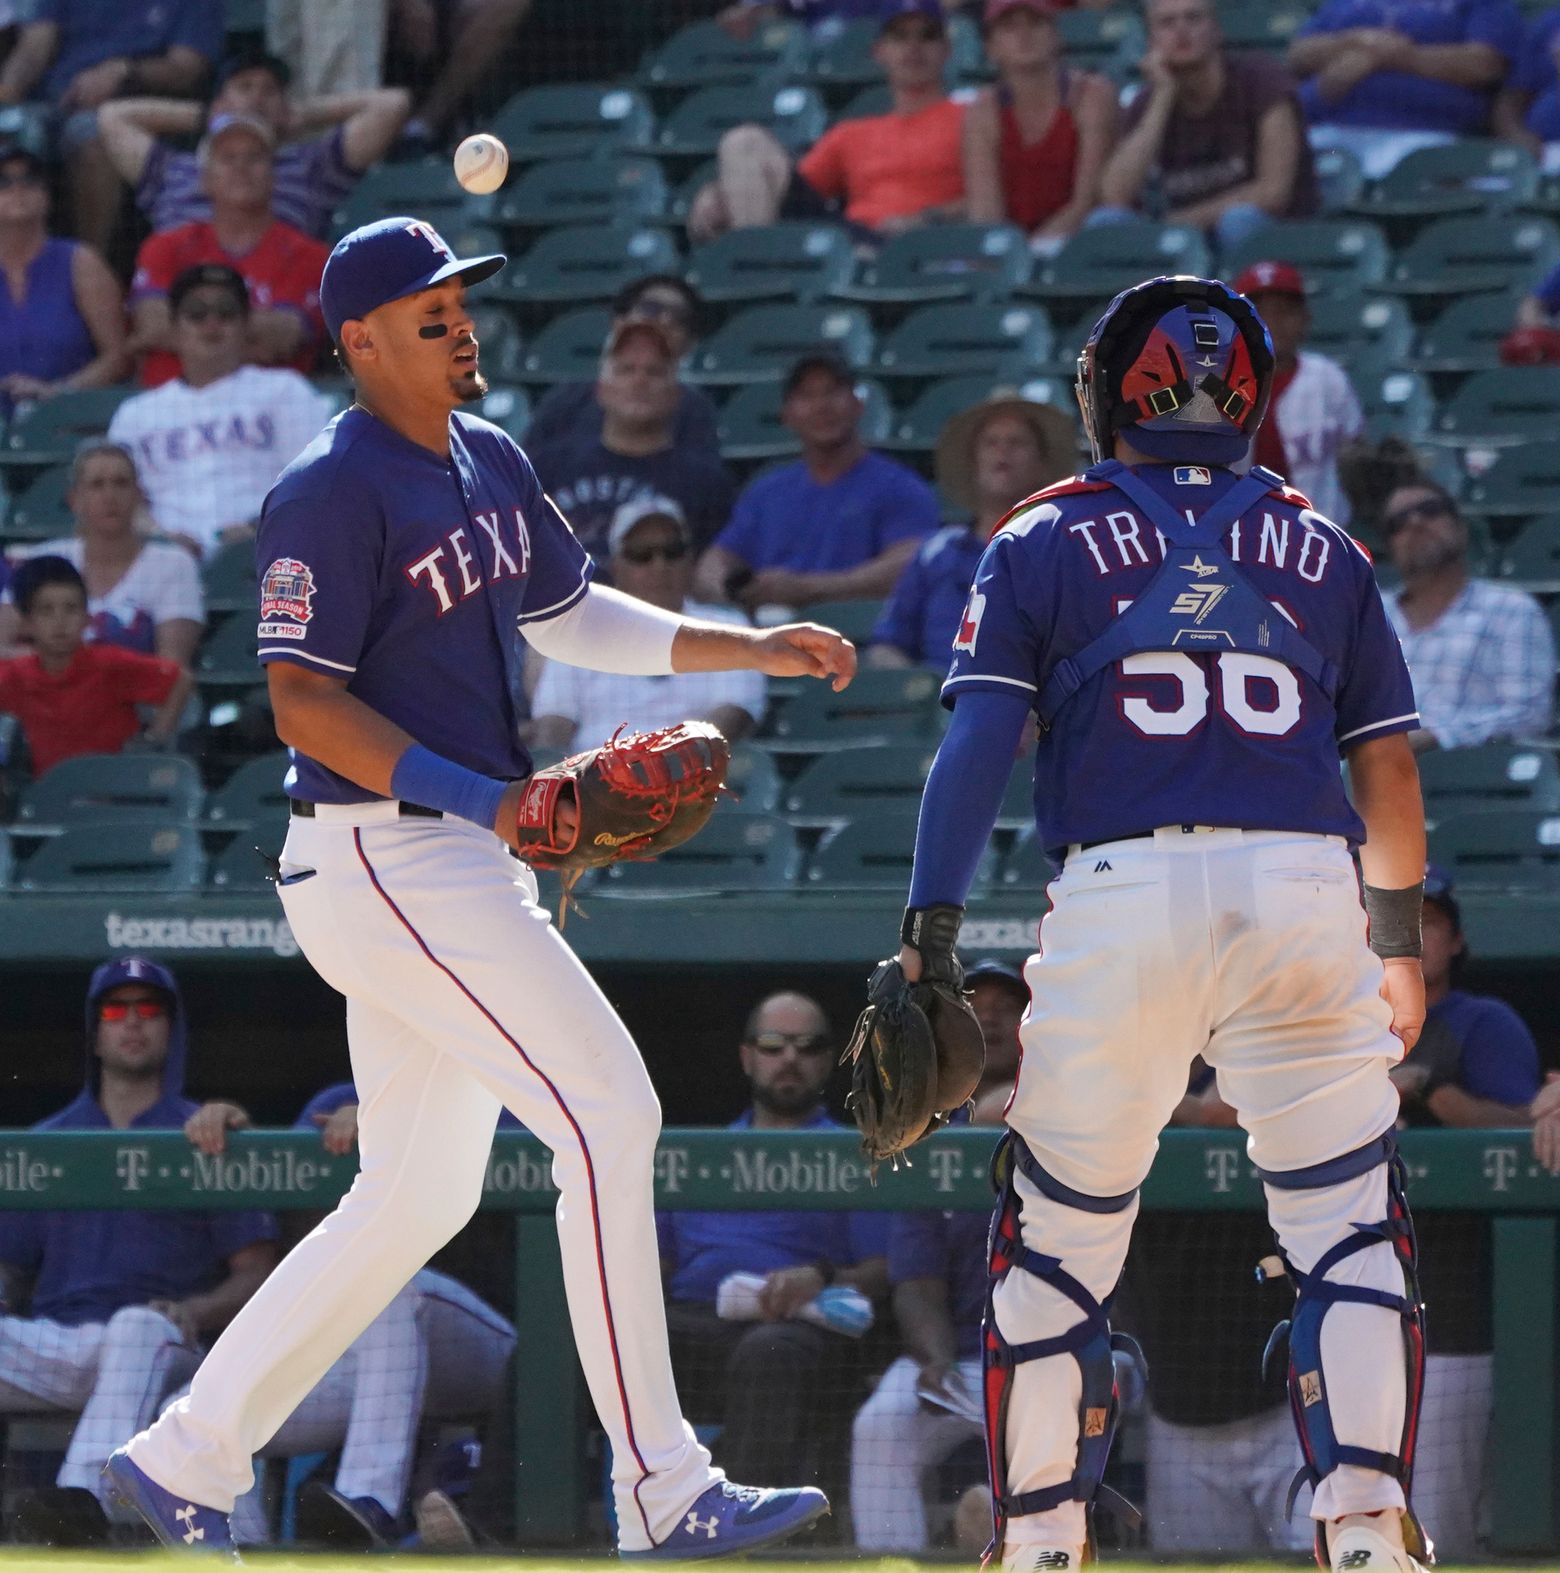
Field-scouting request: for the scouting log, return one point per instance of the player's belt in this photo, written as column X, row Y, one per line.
column 301, row 810
column 1134, row 835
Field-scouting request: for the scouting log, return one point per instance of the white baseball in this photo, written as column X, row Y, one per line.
column 481, row 162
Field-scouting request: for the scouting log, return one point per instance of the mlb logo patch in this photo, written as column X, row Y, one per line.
column 287, row 590
column 1193, row 475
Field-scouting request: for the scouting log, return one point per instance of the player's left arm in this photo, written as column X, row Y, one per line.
column 248, row 1268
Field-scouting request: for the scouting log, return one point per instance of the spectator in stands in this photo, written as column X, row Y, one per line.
column 1481, row 654
column 341, row 136
column 62, row 313
column 1544, row 1112
column 1527, row 108
column 1475, row 1066
column 650, row 556
column 436, row 1353
column 338, row 48
column 570, row 410
column 209, row 444
column 999, row 997
column 772, row 1368
column 989, row 459
column 1534, row 339
column 104, row 1312
column 636, row 453
column 142, row 594
column 1315, row 413
column 280, row 264
column 74, row 698
column 1215, row 139
column 840, row 523
column 1035, row 144
column 885, row 173
column 742, row 18
column 1384, row 77
column 78, row 54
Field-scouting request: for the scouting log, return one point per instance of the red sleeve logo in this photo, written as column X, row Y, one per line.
column 969, row 629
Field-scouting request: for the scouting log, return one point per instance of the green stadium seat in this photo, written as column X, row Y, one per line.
column 1497, row 775
column 41, row 513
column 876, row 852
column 1498, row 408
column 498, row 339
column 854, row 619
column 1522, row 483
column 1532, row 558
column 1459, row 256
column 1512, row 850
column 1110, row 41
column 1096, row 263
column 1466, row 335
column 734, row 851
column 878, row 707
column 841, row 60
column 126, row 855
column 507, row 407
column 872, row 100
column 252, row 795
column 229, row 579
column 858, row 783
column 47, row 432
column 1398, row 405
column 788, row 261
column 753, row 779
column 760, row 343
column 1026, row 866
column 96, row 788
column 30, row 125
column 704, row 54
column 569, row 348
column 470, row 236
column 1470, row 175
column 1336, row 255
column 1339, row 177
column 580, row 263
column 574, row 120
column 917, row 428
column 1269, row 25
column 942, row 262
column 623, row 190
column 693, row 130
column 1347, row 326
column 240, row 866
column 7, row 861
column 966, row 338
column 750, row 427
column 227, row 657
column 426, row 190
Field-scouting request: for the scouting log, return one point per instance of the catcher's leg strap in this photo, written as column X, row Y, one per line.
column 1089, row 1341
column 1301, row 1336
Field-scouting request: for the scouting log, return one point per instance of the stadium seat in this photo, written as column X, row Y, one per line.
column 1026, row 866
column 229, row 578
column 1096, row 263
column 788, row 261
column 857, row 783
column 1459, row 256
column 1522, row 483
column 48, row 431
column 1466, row 335
column 1336, row 255
column 1470, row 175
column 841, row 60
column 240, row 865
column 7, row 861
column 734, row 851
column 40, row 512
column 750, row 427
column 1347, row 326
column 100, row 787
column 963, row 339
column 693, row 130
column 1269, row 25
column 574, row 120
column 427, row 190
column 1339, row 177
column 506, row 407
column 1017, row 808
column 939, row 262
column 917, row 428
column 1398, row 405
column 1516, row 850
column 498, row 339
column 472, row 237
column 1498, row 408
column 581, row 263
column 623, row 190
column 227, row 657
column 753, row 779
column 854, row 619
column 127, row 855
column 1110, row 41
column 1497, row 775
column 704, row 54
column 1532, row 558
column 760, row 343
column 253, row 795
column 876, row 852
column 879, row 706
column 29, row 125
column 569, row 348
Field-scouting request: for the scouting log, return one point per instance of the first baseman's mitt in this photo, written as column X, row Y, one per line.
column 917, row 1052
column 635, row 797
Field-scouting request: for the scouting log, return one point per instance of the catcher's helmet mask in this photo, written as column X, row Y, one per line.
column 1183, row 366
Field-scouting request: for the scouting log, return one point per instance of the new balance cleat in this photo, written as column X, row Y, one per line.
column 1361, row 1550
column 175, row 1520
column 730, row 1520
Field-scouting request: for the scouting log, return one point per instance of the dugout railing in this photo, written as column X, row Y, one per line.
column 1492, row 1173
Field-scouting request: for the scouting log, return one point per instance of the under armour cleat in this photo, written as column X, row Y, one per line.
column 729, row 1520
column 1361, row 1550
column 176, row 1521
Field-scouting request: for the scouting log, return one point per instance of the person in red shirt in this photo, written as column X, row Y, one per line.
column 76, row 698
column 885, row 173
column 280, row 264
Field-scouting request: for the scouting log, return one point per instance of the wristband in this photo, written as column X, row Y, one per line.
column 1393, row 916
column 431, row 781
column 934, row 932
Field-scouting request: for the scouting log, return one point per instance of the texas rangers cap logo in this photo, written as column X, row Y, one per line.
column 287, row 590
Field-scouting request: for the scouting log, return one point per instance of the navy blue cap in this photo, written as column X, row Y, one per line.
column 389, row 260
column 990, row 967
column 1439, row 889
column 894, row 9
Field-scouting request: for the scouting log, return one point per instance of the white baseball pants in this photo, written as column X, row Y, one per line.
column 461, row 998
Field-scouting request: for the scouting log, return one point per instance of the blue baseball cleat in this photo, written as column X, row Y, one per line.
column 176, row 1522
column 729, row 1520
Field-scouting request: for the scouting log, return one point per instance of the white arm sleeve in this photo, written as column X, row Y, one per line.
column 608, row 631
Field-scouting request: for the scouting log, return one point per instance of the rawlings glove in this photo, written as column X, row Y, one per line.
column 917, row 1052
column 634, row 797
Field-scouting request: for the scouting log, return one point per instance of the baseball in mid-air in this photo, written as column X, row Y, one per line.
column 481, row 162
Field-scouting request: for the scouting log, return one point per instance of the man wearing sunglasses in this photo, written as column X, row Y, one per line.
column 209, row 444
column 117, row 1304
column 1481, row 654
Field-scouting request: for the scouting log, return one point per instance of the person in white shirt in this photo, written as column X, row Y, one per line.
column 142, row 595
column 1315, row 410
column 650, row 555
column 208, row 446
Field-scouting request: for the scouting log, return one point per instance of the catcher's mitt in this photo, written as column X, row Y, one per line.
column 634, row 797
column 917, row 1052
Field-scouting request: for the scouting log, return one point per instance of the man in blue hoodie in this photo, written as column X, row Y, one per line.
column 118, row 1304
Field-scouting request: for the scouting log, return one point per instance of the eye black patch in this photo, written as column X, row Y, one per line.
column 434, row 330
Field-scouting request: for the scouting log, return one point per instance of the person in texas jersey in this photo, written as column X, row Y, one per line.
column 1199, row 648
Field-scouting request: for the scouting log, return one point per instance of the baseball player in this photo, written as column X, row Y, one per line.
column 1199, row 647
column 396, row 557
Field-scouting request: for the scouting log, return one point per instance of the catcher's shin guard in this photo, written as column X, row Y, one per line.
column 1299, row 1339
column 1090, row 1342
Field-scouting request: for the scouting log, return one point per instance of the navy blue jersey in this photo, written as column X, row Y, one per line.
column 1165, row 738
column 407, row 574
